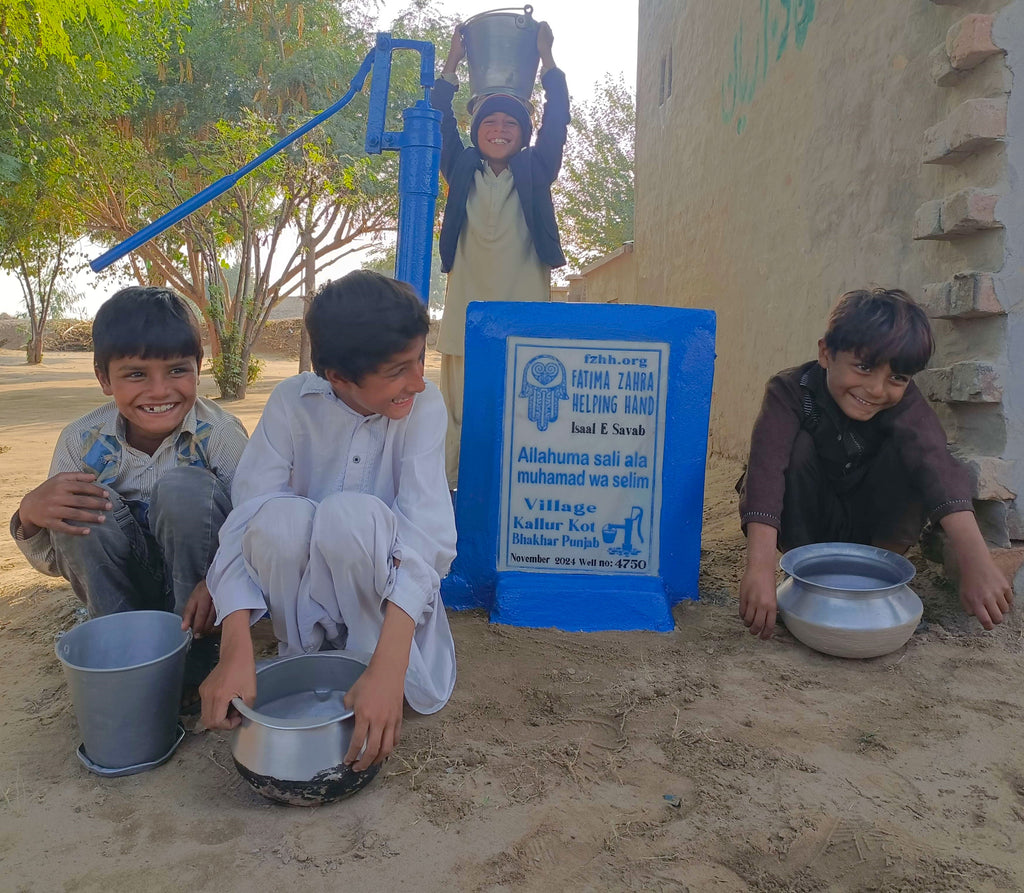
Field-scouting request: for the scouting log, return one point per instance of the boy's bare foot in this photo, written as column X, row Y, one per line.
column 190, row 704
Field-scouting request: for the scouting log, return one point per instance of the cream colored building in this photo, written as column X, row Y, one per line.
column 790, row 150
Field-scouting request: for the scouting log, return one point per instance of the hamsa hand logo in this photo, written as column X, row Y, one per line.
column 544, row 387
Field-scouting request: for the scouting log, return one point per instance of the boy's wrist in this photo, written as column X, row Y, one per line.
column 24, row 527
column 963, row 533
column 236, row 635
column 395, row 642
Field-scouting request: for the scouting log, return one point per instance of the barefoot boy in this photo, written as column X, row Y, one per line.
column 343, row 526
column 846, row 449
column 139, row 487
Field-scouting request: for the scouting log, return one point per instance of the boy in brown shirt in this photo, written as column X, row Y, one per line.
column 847, row 449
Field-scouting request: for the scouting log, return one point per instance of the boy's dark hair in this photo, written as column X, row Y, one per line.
column 881, row 325
column 358, row 322
column 145, row 322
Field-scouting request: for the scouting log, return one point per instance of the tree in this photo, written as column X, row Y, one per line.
column 37, row 245
column 55, row 80
column 44, row 29
column 594, row 192
column 247, row 74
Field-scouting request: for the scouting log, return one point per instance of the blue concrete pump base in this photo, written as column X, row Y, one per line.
column 583, row 452
column 577, row 603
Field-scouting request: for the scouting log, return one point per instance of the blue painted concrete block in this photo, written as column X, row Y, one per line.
column 582, row 463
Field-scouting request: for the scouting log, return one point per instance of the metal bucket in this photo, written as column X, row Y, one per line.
column 125, row 673
column 501, row 51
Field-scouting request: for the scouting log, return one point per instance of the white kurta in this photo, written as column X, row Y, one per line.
column 309, row 444
column 495, row 259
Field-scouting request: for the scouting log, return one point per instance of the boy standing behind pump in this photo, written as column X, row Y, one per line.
column 499, row 238
column 847, row 449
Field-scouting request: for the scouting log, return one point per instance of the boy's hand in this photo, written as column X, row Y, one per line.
column 456, row 52
column 758, row 604
column 199, row 614
column 376, row 698
column 68, row 496
column 984, row 590
column 233, row 677
column 377, row 695
column 545, row 40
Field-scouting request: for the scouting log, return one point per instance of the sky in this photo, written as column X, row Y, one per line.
column 592, row 38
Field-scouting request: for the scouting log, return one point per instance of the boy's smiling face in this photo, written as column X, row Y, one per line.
column 388, row 390
column 499, row 137
column 152, row 395
column 860, row 391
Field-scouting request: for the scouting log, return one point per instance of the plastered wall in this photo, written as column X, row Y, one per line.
column 779, row 163
column 610, row 280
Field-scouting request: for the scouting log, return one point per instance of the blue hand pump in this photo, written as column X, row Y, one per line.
column 419, row 156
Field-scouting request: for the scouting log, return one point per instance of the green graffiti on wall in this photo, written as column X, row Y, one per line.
column 782, row 23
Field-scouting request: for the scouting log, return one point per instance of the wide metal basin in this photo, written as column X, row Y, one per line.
column 848, row 599
column 290, row 743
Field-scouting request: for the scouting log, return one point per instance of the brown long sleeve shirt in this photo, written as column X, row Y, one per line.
column 799, row 398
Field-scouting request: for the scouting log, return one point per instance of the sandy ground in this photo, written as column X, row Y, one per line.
column 700, row 760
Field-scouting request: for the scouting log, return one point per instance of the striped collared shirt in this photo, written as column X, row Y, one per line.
column 208, row 437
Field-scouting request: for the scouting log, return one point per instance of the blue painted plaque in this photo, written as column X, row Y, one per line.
column 582, row 463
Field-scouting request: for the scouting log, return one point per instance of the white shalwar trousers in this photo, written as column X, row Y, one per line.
column 326, row 570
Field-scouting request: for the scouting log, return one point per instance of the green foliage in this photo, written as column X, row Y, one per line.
column 45, row 29
column 594, row 192
column 226, row 367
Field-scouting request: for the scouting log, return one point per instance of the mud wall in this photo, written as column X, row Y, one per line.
column 790, row 150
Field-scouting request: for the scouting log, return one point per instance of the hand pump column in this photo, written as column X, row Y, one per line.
column 419, row 159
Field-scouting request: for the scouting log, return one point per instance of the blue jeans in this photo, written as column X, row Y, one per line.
column 123, row 565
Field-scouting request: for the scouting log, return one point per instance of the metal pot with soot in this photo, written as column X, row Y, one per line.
column 291, row 742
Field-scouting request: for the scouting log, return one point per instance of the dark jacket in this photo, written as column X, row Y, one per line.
column 799, row 398
column 534, row 169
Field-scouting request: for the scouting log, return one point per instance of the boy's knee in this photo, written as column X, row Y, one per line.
column 351, row 518
column 187, row 490
column 281, row 528
column 104, row 541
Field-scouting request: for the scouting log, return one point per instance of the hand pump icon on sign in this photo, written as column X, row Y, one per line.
column 628, row 526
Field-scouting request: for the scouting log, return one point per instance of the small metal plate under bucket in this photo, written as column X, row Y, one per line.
column 129, row 770
column 124, row 672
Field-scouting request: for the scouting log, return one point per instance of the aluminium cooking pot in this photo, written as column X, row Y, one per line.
column 291, row 742
column 848, row 599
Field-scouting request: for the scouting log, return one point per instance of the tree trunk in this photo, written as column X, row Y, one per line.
column 305, row 357
column 243, row 374
column 34, row 350
column 309, row 275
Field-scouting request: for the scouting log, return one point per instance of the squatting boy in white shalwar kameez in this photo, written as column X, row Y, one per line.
column 342, row 514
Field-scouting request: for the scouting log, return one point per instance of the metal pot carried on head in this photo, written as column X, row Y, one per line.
column 291, row 742
column 848, row 599
column 501, row 52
